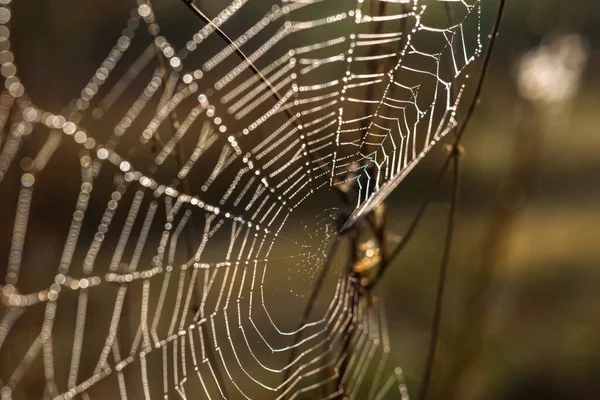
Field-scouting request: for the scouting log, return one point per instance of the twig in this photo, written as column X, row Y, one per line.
column 459, row 132
column 296, row 121
column 238, row 51
column 522, row 176
column 437, row 314
column 412, row 227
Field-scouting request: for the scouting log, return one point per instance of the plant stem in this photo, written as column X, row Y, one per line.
column 439, row 299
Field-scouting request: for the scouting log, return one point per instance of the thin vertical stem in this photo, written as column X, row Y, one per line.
column 412, row 227
column 459, row 132
column 294, row 118
column 441, row 286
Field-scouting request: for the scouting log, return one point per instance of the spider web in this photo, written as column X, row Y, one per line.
column 217, row 166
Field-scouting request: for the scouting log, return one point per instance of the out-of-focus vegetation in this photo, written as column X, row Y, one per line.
column 538, row 337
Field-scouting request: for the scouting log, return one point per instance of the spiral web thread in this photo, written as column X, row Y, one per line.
column 349, row 94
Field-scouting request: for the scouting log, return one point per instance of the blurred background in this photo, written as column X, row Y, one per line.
column 520, row 311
